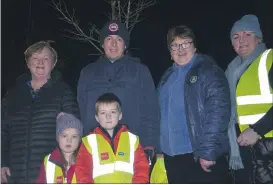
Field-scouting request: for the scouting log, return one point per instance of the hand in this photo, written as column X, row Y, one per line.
column 60, row 114
column 150, row 148
column 150, row 153
column 4, row 173
column 206, row 164
column 248, row 137
column 159, row 155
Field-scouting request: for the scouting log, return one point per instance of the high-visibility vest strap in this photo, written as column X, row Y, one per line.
column 54, row 173
column 105, row 162
column 254, row 95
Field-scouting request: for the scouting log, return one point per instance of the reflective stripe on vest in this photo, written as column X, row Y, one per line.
column 50, row 171
column 265, row 96
column 254, row 93
column 104, row 169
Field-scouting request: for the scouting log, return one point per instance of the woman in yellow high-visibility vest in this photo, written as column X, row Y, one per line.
column 250, row 80
column 59, row 166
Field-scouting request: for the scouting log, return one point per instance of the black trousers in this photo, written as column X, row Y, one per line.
column 183, row 169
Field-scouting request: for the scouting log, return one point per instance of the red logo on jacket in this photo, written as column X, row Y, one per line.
column 104, row 156
column 59, row 180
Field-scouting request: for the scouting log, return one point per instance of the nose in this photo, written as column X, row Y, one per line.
column 40, row 61
column 69, row 139
column 114, row 42
column 108, row 115
column 242, row 39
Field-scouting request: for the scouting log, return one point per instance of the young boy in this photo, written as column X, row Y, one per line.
column 111, row 154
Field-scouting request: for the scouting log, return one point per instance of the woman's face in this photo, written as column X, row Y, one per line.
column 244, row 42
column 69, row 140
column 41, row 63
column 182, row 50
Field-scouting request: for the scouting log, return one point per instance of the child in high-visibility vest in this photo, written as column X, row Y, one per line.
column 111, row 154
column 59, row 166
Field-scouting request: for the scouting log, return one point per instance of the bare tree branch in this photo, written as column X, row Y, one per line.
column 78, row 33
column 126, row 11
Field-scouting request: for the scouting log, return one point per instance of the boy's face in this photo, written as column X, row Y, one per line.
column 108, row 115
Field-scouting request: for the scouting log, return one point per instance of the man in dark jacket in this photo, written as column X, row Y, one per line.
column 127, row 78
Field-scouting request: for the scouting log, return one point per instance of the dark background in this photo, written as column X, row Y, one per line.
column 210, row 20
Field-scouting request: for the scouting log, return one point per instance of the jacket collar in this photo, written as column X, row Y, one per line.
column 117, row 131
column 56, row 157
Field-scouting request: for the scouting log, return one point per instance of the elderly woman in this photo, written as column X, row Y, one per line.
column 195, row 110
column 250, row 80
column 29, row 112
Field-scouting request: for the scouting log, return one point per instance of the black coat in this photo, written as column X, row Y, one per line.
column 28, row 124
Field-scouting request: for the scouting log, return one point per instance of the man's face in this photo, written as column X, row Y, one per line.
column 114, row 47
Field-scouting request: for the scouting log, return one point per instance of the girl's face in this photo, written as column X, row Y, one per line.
column 69, row 140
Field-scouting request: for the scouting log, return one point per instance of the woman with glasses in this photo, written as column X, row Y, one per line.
column 195, row 111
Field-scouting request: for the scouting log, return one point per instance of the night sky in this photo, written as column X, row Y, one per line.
column 210, row 20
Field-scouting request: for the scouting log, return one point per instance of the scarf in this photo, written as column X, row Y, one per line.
column 233, row 73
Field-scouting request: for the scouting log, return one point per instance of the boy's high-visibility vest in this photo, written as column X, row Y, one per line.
column 254, row 93
column 108, row 167
column 54, row 173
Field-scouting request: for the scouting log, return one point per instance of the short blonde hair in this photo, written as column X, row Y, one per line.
column 108, row 98
column 39, row 46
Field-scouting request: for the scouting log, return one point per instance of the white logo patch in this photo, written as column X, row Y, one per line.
column 193, row 79
column 113, row 27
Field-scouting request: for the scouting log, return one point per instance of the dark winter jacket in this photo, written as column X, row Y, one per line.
column 132, row 82
column 28, row 127
column 263, row 163
column 207, row 104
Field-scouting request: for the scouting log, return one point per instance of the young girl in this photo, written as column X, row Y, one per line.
column 59, row 166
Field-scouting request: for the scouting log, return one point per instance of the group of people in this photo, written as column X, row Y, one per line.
column 207, row 124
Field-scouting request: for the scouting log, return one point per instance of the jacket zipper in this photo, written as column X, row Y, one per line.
column 187, row 117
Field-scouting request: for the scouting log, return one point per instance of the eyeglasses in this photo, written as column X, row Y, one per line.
column 184, row 45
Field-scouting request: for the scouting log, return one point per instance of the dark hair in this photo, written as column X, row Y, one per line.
column 108, row 98
column 180, row 32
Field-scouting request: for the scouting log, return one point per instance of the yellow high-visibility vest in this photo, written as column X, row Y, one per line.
column 254, row 93
column 53, row 172
column 108, row 167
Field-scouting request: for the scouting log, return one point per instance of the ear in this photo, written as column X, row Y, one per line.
column 97, row 119
column 102, row 46
column 120, row 116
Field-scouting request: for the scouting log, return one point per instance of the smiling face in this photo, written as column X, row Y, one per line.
column 108, row 115
column 69, row 140
column 244, row 42
column 114, row 47
column 182, row 50
column 41, row 63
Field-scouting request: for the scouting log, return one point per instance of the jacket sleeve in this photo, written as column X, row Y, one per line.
column 81, row 87
column 69, row 104
column 4, row 132
column 84, row 166
column 41, row 179
column 217, row 109
column 264, row 125
column 149, row 109
column 141, row 167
